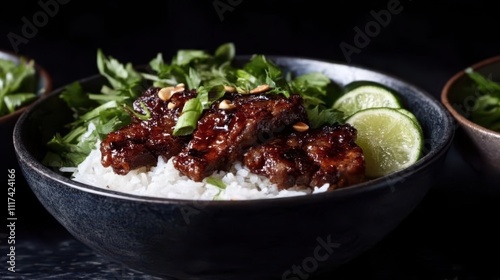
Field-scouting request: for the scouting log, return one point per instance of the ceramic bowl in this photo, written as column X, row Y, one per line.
column 282, row 238
column 478, row 145
column 43, row 82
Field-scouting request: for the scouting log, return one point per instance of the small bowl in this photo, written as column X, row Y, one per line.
column 7, row 122
column 478, row 145
column 281, row 238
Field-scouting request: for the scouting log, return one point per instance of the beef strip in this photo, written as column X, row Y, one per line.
column 140, row 143
column 223, row 136
column 313, row 158
column 255, row 130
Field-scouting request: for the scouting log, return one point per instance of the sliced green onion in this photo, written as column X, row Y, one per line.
column 188, row 119
column 215, row 182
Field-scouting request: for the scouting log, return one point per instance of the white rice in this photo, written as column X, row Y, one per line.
column 165, row 181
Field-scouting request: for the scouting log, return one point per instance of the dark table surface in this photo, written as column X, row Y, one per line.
column 452, row 234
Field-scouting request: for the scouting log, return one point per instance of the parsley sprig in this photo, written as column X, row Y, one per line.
column 97, row 114
column 18, row 83
column 486, row 109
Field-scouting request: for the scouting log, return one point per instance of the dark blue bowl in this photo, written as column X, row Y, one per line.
column 257, row 239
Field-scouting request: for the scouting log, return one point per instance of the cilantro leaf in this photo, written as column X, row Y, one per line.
column 14, row 101
column 486, row 109
column 319, row 116
column 96, row 114
column 118, row 75
column 484, row 84
column 17, row 84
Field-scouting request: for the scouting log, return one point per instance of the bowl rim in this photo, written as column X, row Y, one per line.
column 374, row 185
column 459, row 117
column 40, row 71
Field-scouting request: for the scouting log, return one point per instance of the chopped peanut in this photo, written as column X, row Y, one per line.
column 229, row 89
column 300, row 127
column 226, row 105
column 165, row 93
column 261, row 89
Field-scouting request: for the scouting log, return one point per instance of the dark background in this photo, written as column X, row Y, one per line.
column 452, row 235
column 431, row 38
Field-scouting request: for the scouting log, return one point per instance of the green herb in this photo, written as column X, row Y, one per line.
column 206, row 73
column 319, row 115
column 98, row 113
column 191, row 112
column 486, row 109
column 319, row 93
column 131, row 111
column 209, row 73
column 95, row 114
column 18, row 84
column 215, row 182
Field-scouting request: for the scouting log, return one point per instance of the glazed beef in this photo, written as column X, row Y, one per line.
column 224, row 135
column 312, row 158
column 255, row 129
column 141, row 142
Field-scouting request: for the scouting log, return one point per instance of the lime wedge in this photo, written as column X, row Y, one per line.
column 390, row 139
column 361, row 95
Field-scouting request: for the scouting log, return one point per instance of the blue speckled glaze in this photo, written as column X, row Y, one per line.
column 259, row 239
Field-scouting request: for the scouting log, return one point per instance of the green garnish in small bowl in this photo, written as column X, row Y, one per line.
column 22, row 81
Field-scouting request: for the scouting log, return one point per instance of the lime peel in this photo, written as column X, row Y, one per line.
column 364, row 96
